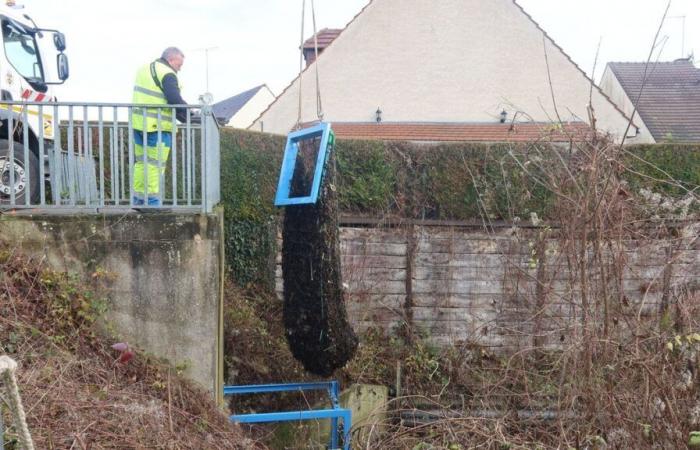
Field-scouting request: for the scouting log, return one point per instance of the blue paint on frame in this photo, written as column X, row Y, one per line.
column 284, row 186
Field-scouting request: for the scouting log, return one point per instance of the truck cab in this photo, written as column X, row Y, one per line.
column 32, row 63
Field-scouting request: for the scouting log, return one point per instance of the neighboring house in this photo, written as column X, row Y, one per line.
column 668, row 108
column 323, row 40
column 241, row 110
column 418, row 65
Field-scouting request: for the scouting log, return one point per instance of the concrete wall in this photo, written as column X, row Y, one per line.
column 459, row 283
column 166, row 295
column 443, row 61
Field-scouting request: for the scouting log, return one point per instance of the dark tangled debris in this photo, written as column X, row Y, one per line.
column 318, row 331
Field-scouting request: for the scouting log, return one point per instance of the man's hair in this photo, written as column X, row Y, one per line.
column 170, row 52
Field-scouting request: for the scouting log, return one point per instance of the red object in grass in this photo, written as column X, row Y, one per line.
column 125, row 357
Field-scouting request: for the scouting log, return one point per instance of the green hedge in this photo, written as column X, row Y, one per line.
column 651, row 166
column 399, row 179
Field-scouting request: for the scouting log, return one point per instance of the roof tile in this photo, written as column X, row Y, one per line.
column 455, row 132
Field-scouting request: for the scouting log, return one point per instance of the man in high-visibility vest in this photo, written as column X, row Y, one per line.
column 156, row 84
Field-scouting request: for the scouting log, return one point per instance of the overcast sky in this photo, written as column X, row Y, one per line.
column 257, row 40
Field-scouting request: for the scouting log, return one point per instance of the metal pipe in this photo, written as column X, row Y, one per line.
column 159, row 156
column 71, row 138
column 131, row 158
column 42, row 158
column 173, row 157
column 144, row 147
column 113, row 162
column 202, row 166
column 27, row 165
column 188, row 164
column 85, row 161
column 56, row 155
column 100, row 133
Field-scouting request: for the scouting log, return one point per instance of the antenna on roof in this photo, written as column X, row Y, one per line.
column 682, row 18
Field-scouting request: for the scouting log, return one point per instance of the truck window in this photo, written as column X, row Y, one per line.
column 22, row 52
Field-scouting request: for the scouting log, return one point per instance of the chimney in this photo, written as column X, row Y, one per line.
column 324, row 38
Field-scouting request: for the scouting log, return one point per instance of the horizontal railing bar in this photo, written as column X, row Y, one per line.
column 125, row 206
column 95, row 104
column 260, row 388
column 289, row 416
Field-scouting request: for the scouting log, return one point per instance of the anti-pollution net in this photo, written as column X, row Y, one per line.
column 318, row 331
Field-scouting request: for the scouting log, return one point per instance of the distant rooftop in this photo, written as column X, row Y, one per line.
column 670, row 97
column 228, row 108
column 325, row 37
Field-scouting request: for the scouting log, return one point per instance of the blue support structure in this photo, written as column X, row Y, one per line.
column 334, row 413
column 284, row 186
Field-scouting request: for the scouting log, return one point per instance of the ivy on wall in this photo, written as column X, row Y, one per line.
column 460, row 181
column 250, row 164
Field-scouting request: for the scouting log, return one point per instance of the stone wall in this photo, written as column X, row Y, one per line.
column 505, row 289
column 167, row 268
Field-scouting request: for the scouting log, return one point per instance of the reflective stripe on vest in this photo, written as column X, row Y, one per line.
column 146, row 91
column 165, row 114
column 143, row 90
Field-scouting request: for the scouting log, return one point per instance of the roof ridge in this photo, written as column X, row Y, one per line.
column 309, row 65
column 679, row 62
column 631, row 120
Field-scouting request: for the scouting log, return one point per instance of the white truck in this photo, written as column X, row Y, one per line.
column 32, row 62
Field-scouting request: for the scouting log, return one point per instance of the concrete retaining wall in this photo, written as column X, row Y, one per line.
column 166, row 294
column 497, row 289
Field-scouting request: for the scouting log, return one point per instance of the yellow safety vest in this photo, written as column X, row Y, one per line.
column 146, row 91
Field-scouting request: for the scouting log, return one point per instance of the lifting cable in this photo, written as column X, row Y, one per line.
column 319, row 105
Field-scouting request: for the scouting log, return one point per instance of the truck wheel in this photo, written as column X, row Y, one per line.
column 26, row 174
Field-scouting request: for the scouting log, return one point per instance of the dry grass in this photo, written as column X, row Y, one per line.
column 75, row 392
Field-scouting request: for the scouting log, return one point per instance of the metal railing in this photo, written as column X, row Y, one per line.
column 338, row 435
column 83, row 155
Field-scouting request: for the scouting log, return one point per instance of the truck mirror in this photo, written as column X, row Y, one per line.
column 62, row 64
column 59, row 40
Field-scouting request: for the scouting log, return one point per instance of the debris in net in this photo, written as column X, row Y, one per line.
column 315, row 319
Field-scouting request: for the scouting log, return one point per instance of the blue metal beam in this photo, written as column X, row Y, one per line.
column 289, row 416
column 335, row 413
column 282, row 387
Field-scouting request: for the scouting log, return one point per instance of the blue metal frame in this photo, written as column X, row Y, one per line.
column 289, row 161
column 335, row 413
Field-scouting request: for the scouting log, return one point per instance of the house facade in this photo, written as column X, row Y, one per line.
column 242, row 109
column 666, row 95
column 462, row 63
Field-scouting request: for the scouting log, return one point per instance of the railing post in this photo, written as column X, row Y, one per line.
column 211, row 174
column 27, row 166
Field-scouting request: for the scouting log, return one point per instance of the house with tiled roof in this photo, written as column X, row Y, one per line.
column 445, row 70
column 666, row 95
column 319, row 42
column 241, row 110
